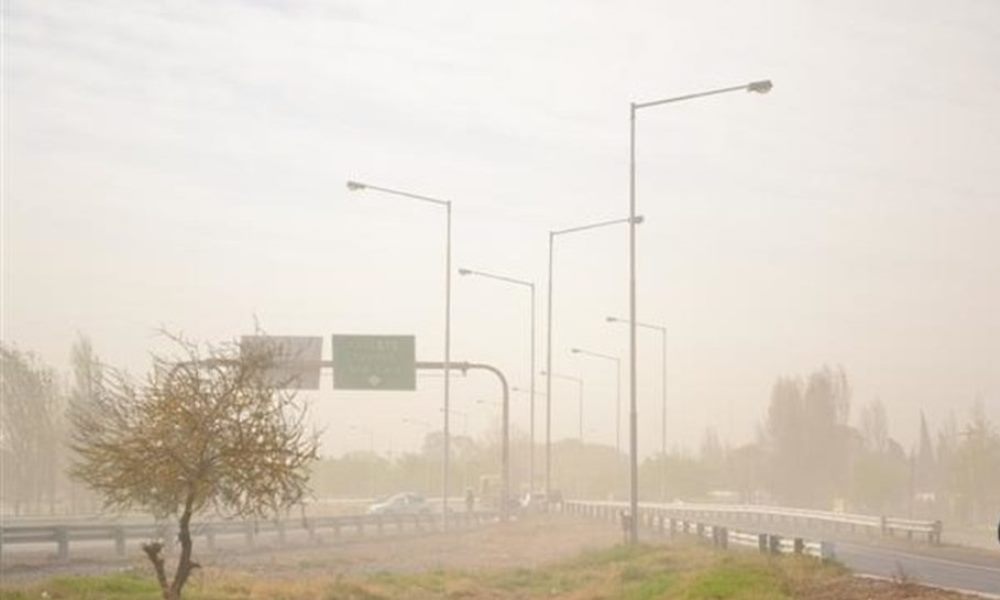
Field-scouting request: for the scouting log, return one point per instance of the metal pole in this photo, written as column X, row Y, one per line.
column 531, row 449
column 505, row 459
column 531, row 286
column 548, row 380
column 447, row 376
column 663, row 423
column 505, row 447
column 633, row 533
column 356, row 185
column 618, row 416
column 633, row 221
column 663, row 374
column 618, row 408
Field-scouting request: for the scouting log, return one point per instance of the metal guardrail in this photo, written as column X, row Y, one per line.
column 658, row 519
column 881, row 525
column 358, row 525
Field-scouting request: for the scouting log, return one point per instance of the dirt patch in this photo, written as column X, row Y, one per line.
column 528, row 543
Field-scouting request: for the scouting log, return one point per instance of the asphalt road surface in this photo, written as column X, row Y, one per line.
column 920, row 568
column 972, row 570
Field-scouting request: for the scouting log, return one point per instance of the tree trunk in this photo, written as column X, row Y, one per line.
column 152, row 551
column 184, row 564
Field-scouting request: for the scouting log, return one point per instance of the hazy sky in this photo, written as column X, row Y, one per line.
column 183, row 164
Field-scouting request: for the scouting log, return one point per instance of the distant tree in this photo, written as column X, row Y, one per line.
column 746, row 464
column 874, row 427
column 807, row 437
column 31, row 409
column 947, row 442
column 670, row 477
column 207, row 432
column 785, row 438
column 974, row 466
column 87, row 374
column 85, row 386
column 712, row 451
column 925, row 466
column 713, row 457
column 881, row 470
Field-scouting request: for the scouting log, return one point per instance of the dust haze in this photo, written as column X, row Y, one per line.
column 817, row 266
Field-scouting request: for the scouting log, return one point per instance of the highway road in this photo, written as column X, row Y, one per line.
column 894, row 563
column 966, row 569
column 954, row 568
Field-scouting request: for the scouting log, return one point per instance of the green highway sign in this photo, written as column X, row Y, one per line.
column 374, row 362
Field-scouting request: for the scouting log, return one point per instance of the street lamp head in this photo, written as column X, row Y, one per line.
column 464, row 272
column 761, row 87
column 611, row 319
column 355, row 186
column 638, row 219
column 575, row 350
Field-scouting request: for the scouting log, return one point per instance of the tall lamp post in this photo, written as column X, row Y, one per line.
column 618, row 389
column 357, row 186
column 579, row 383
column 531, row 287
column 632, row 220
column 761, row 87
column 663, row 381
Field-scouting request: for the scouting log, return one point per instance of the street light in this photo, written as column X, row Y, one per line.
column 358, row 186
column 618, row 390
column 632, row 220
column 760, row 87
column 531, row 287
column 579, row 383
column 663, row 374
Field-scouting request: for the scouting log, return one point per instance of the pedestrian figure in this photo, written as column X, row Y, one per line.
column 626, row 519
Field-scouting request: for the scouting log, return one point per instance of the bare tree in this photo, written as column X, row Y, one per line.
column 210, row 431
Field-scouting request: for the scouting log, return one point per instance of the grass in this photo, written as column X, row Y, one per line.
column 108, row 587
column 737, row 581
column 634, row 573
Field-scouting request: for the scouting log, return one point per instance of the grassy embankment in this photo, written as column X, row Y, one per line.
column 684, row 572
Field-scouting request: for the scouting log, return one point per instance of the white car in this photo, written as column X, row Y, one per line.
column 534, row 502
column 406, row 503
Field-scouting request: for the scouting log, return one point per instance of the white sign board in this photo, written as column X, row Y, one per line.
column 296, row 358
